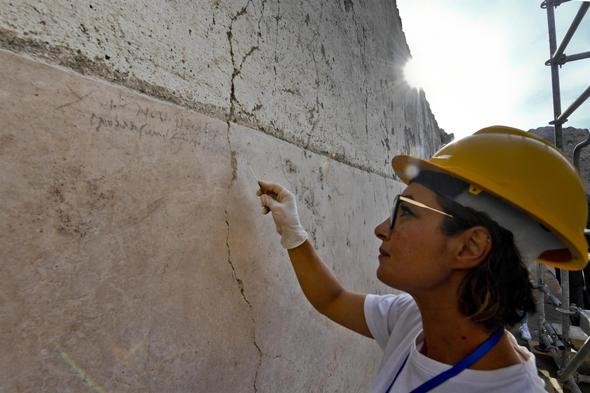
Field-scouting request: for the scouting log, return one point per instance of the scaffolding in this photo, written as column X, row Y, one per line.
column 559, row 58
column 561, row 348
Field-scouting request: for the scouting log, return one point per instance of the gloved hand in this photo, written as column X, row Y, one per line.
column 281, row 203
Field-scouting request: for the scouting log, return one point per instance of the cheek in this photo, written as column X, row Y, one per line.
column 403, row 260
column 417, row 253
column 417, row 259
column 408, row 243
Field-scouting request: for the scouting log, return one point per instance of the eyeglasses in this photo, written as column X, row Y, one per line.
column 400, row 198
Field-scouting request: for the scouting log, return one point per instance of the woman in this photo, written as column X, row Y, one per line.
column 457, row 242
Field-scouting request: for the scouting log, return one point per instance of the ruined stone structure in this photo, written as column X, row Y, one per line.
column 133, row 255
column 571, row 137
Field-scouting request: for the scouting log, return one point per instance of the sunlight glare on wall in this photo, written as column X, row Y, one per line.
column 414, row 74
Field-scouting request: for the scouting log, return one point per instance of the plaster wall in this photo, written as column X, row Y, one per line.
column 133, row 255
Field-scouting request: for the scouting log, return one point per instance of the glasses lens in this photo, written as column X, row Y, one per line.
column 394, row 211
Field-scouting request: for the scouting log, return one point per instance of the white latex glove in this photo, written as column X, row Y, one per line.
column 281, row 203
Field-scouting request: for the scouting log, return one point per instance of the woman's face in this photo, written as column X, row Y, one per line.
column 414, row 255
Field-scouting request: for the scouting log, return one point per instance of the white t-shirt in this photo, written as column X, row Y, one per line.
column 396, row 325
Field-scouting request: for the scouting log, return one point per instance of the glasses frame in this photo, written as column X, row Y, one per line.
column 400, row 198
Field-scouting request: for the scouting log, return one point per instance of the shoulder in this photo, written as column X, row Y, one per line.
column 519, row 378
column 388, row 315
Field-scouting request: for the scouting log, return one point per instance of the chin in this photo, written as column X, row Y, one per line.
column 389, row 279
column 379, row 275
column 383, row 277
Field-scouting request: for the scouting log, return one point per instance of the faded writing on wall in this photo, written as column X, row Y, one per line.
column 143, row 121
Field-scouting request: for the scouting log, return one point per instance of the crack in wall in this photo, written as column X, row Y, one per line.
column 237, row 70
column 235, row 73
column 240, row 284
column 237, row 279
column 314, row 113
column 277, row 18
column 362, row 42
column 233, row 159
column 263, row 5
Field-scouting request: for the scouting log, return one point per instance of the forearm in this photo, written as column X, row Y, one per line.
column 317, row 282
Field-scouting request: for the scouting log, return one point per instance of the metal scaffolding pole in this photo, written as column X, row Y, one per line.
column 550, row 5
column 556, row 56
column 579, row 101
column 556, row 60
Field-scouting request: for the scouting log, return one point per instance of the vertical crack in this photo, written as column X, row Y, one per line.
column 237, row 279
column 263, row 5
column 235, row 73
column 277, row 18
column 233, row 158
column 240, row 284
column 314, row 113
column 237, row 68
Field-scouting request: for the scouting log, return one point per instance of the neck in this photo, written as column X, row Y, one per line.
column 449, row 336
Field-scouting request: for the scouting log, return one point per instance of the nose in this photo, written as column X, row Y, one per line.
column 382, row 231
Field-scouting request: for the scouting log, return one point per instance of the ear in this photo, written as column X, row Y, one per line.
column 474, row 245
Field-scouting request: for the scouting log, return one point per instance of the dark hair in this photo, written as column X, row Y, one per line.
column 498, row 291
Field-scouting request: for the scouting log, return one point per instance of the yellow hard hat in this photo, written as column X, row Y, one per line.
column 524, row 170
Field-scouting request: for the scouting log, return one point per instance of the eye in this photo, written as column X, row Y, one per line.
column 405, row 210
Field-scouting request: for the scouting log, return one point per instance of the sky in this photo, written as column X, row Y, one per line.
column 482, row 62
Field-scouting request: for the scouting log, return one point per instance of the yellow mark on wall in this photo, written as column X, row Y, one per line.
column 83, row 374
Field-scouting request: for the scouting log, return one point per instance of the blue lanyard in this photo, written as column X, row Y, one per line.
column 470, row 359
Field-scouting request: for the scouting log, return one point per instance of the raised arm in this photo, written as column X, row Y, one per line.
column 318, row 283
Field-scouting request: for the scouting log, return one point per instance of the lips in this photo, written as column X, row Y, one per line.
column 382, row 252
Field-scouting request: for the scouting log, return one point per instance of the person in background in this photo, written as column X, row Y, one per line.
column 457, row 242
